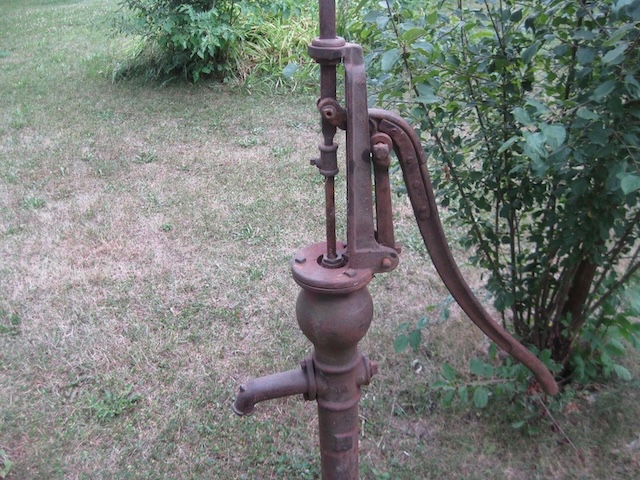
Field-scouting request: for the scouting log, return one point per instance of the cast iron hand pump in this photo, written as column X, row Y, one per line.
column 334, row 308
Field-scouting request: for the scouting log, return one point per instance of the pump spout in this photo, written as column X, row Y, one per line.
column 278, row 385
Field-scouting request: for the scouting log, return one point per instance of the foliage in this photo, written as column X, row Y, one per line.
column 531, row 114
column 224, row 38
column 504, row 380
column 5, row 464
column 272, row 50
column 110, row 405
column 191, row 37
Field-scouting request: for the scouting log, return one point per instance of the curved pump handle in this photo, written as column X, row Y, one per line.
column 412, row 160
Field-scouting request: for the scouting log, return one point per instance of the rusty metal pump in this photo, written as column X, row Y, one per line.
column 334, row 308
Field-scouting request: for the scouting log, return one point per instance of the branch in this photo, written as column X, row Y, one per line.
column 555, row 422
column 614, row 253
column 633, row 268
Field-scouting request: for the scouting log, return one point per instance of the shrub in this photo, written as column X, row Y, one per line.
column 190, row 38
column 531, row 113
column 223, row 38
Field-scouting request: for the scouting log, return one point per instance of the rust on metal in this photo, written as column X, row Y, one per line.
column 334, row 308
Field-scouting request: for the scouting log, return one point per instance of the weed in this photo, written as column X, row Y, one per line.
column 108, row 405
column 248, row 233
column 5, row 464
column 9, row 324
column 33, row 203
column 145, row 157
column 248, row 141
column 281, row 151
column 19, row 119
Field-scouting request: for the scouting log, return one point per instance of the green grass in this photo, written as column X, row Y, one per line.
column 145, row 238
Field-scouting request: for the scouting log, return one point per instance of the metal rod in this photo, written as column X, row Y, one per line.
column 329, row 162
column 327, row 19
column 328, row 90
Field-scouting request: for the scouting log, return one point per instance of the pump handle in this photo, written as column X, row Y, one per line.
column 413, row 162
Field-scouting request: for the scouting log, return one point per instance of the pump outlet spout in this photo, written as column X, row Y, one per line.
column 278, row 385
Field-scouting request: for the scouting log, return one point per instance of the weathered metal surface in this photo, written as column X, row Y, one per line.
column 334, row 308
column 278, row 385
column 335, row 323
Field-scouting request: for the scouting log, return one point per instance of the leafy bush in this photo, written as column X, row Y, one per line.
column 530, row 112
column 272, row 50
column 225, row 38
column 187, row 37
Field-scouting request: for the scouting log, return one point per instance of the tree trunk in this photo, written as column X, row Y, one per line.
column 573, row 310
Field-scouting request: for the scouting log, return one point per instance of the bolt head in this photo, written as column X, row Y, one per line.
column 350, row 273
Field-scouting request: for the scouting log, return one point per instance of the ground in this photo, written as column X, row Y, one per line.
column 145, row 238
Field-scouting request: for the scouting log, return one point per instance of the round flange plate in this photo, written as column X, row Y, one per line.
column 310, row 274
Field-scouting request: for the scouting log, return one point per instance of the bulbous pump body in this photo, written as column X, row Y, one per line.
column 335, row 323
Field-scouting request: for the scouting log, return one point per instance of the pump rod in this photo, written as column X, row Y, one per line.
column 328, row 162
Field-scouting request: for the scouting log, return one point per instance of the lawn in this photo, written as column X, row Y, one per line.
column 145, row 238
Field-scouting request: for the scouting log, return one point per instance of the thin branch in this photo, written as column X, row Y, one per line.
column 555, row 422
column 614, row 253
column 633, row 268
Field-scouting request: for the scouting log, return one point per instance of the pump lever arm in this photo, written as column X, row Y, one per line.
column 412, row 160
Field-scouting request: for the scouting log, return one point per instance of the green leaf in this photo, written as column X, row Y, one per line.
column 618, row 34
column 539, row 107
column 413, row 34
column 587, row 114
column 555, row 135
column 448, row 372
column 536, row 142
column 5, row 464
column 440, row 385
column 477, row 366
column 506, row 145
column 448, row 398
column 585, row 55
column 615, row 56
column 518, row 425
column 516, row 16
column 620, row 4
column 382, row 21
column 633, row 85
column 615, row 348
column 522, row 116
column 632, row 295
column 463, row 393
column 621, row 372
column 289, row 70
column 401, row 343
column 426, row 94
column 168, row 25
column 481, row 397
column 415, row 337
column 530, row 52
column 603, row 90
column 389, row 59
column 629, row 183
